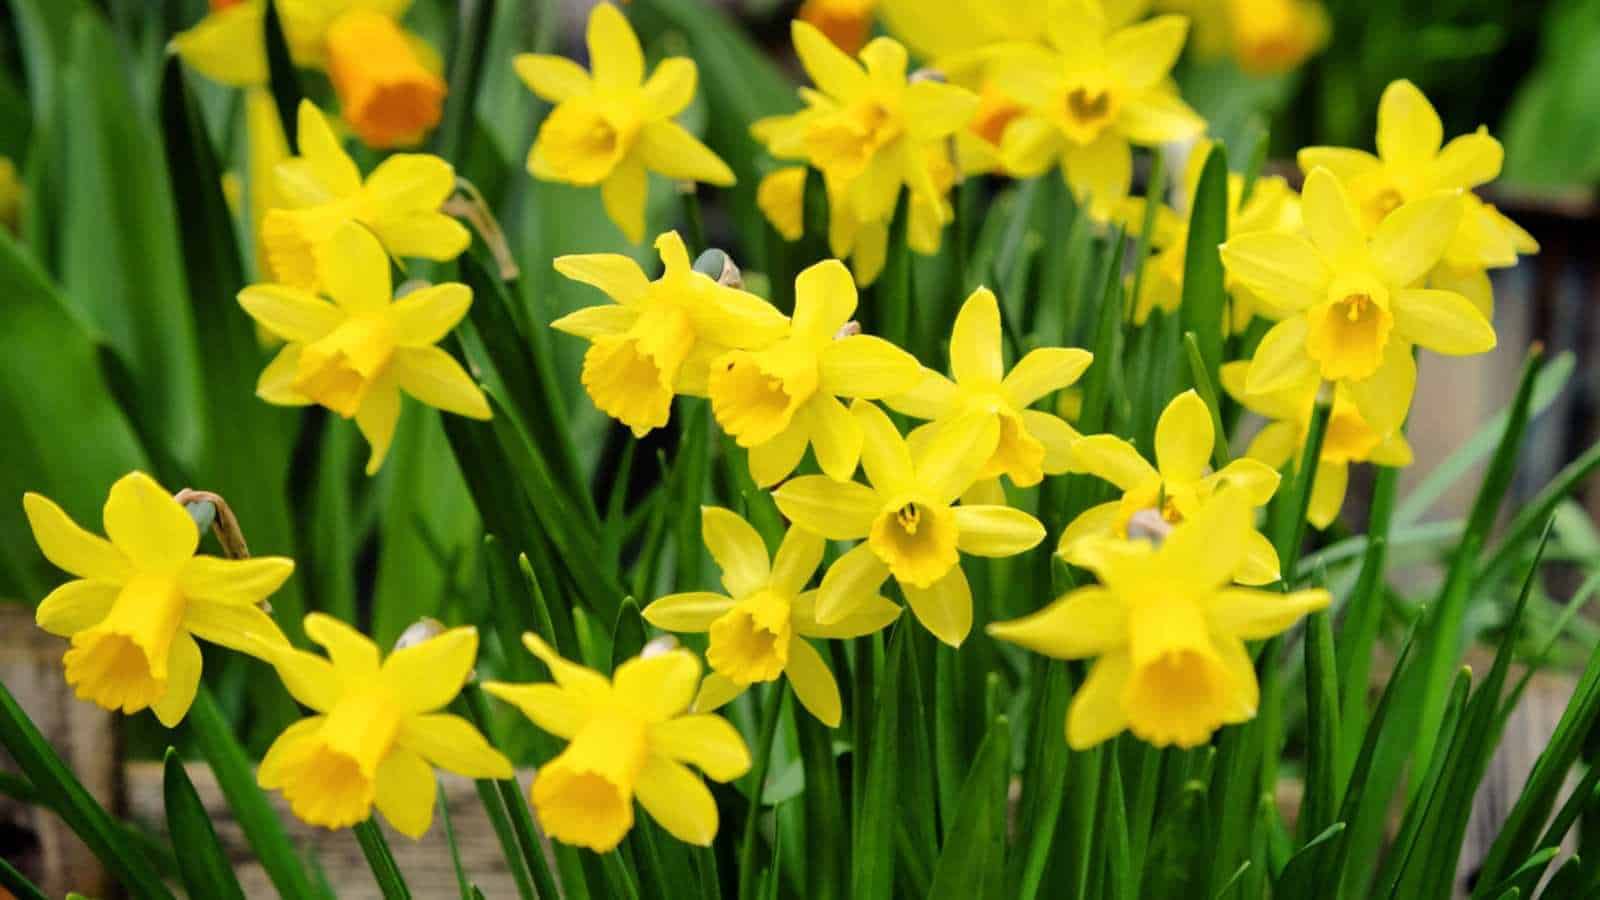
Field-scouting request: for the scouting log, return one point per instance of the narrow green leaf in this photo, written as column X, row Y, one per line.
column 1045, row 769
column 1173, row 867
column 1299, row 877
column 873, row 872
column 465, row 74
column 1363, row 619
column 1305, row 477
column 1208, row 392
column 13, row 881
column 1322, row 727
column 1524, row 877
column 202, row 865
column 381, row 860
column 1204, row 304
column 1406, row 842
column 515, row 810
column 281, row 76
column 749, row 868
column 827, row 843
column 966, row 866
column 463, row 883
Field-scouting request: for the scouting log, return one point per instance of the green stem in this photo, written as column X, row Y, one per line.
column 771, row 713
column 1208, row 392
column 513, row 807
column 693, row 220
column 381, row 861
column 1305, row 482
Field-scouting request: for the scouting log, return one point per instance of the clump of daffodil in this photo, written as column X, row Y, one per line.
column 613, row 126
column 321, row 190
column 759, row 628
column 782, row 398
column 630, row 738
column 1264, row 37
column 658, row 338
column 1030, row 443
column 846, row 22
column 911, row 528
column 871, row 131
column 1089, row 95
column 387, row 79
column 1166, row 631
column 1411, row 165
column 141, row 598
column 1271, row 206
column 1178, row 488
column 378, row 731
column 1350, row 305
column 1349, row 439
column 356, row 354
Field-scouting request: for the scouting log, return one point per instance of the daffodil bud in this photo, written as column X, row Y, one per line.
column 720, row 267
column 658, row 646
column 425, row 628
column 1148, row 525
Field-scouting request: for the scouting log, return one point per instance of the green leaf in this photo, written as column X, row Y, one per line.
column 281, row 77
column 203, row 866
column 873, row 873
column 749, row 867
column 827, row 841
column 465, row 75
column 972, row 861
column 1204, row 304
column 1046, row 766
column 1322, row 727
column 13, row 881
column 1300, row 875
column 463, row 883
column 381, row 860
column 1208, row 393
column 62, row 792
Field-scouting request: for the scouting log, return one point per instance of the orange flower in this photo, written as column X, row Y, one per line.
column 386, row 93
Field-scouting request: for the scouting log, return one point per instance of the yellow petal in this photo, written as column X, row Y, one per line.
column 1413, row 238
column 594, row 321
column 1468, row 161
column 1157, row 117
column 839, row 511
column 834, row 73
column 687, row 612
column 716, row 691
column 405, row 792
column 284, row 749
column 1090, row 621
column 425, row 316
column 238, row 581
column 453, row 744
column 934, row 110
column 1100, row 520
column 866, row 614
column 850, row 584
column 945, row 607
column 355, row 270
column 276, row 384
column 1385, row 396
column 624, row 194
column 1443, row 321
column 1096, row 713
column 1113, row 459
column 666, row 147
column 1209, row 547
column 228, row 45
column 310, row 679
column 813, row 684
column 290, row 313
column 1409, row 131
column 183, row 681
column 658, row 687
column 670, row 88
column 324, row 159
column 377, row 417
column 1346, row 164
column 951, row 461
column 584, row 682
column 737, row 548
column 553, row 78
column 996, row 531
column 434, row 377
column 426, row 676
column 1043, row 371
column 885, row 59
column 75, row 606
column 245, row 629
column 975, row 341
column 614, row 51
column 148, row 526
column 1332, row 221
column 1285, row 269
column 618, row 276
column 678, row 800
column 836, row 437
column 824, row 300
column 1260, row 564
column 1281, row 362
column 884, row 455
column 781, row 198
column 428, row 235
column 353, row 653
column 551, row 707
column 1143, row 54
column 706, row 742
column 411, row 182
column 1255, row 615
column 1184, row 438
column 1258, row 480
column 69, row 547
column 1056, row 436
column 796, row 560
column 931, row 398
column 772, row 462
column 1327, row 494
column 867, row 367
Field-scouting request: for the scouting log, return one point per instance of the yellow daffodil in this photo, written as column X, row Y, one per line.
column 780, row 399
column 846, row 22
column 378, row 731
column 1275, row 36
column 1350, row 306
column 1178, row 488
column 1030, row 442
column 1271, row 206
column 141, row 598
column 629, row 739
column 321, row 190
column 911, row 529
column 613, row 126
column 355, row 355
column 1348, row 439
column 1096, row 91
column 1411, row 165
column 1166, row 632
column 659, row 337
column 386, row 78
column 11, row 195
column 871, row 131
column 759, row 628
column 961, row 35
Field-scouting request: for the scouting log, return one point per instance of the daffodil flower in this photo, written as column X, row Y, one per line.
column 356, row 354
column 613, row 126
column 378, row 731
column 759, row 628
column 386, row 78
column 630, row 738
column 1166, row 632
column 659, row 337
column 1095, row 92
column 1412, row 163
column 322, row 191
column 871, row 131
column 1350, row 306
column 141, row 598
column 780, row 399
column 1177, row 488
column 1282, row 441
column 846, row 22
column 1030, row 442
column 1270, row 37
column 911, row 529
column 1271, row 206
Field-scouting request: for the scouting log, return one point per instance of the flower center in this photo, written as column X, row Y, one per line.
column 1089, row 109
column 1180, row 697
column 327, row 787
column 995, row 112
column 1349, row 437
column 844, row 142
column 1017, row 454
column 122, row 662
column 1381, row 204
column 750, row 643
column 754, row 396
column 585, row 795
column 631, row 376
column 1348, row 334
column 338, row 370
column 582, row 143
column 916, row 540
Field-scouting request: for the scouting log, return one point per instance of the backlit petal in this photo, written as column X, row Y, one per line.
column 797, row 560
column 1056, row 436
column 867, row 614
column 834, row 73
column 183, row 681
column 737, row 548
column 706, row 742
column 839, row 511
column 934, row 110
column 405, row 792
column 1345, row 163
column 1043, row 371
column 68, row 546
column 836, row 437
column 1260, row 564
column 1285, row 269
column 1327, row 494
column 624, row 194
column 1443, row 321
column 1332, row 221
column 148, row 526
column 1184, row 438
column 960, row 448
column 425, row 316
column 434, row 377
column 975, row 341
column 240, row 581
column 813, row 684
column 1385, row 396
column 1143, row 54
column 849, row 585
column 1156, row 117
column 687, row 612
column 996, row 531
column 1468, row 161
column 453, row 744
column 1096, row 713
column 884, row 455
column 377, row 417
column 931, row 398
column 866, row 366
column 290, row 313
column 668, row 148
column 671, row 86
column 1113, row 459
column 1090, row 621
column 425, row 676
column 1255, row 614
column 335, row 172
column 658, row 687
column 245, row 629
column 678, row 800
column 553, row 78
column 549, row 706
column 618, row 276
column 1258, row 480
column 594, row 321
column 1411, row 240
column 944, row 607
column 772, row 462
column 716, row 691
column 825, row 299
column 1281, row 362
column 75, row 606
column 1409, row 131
